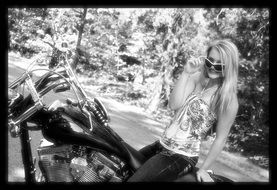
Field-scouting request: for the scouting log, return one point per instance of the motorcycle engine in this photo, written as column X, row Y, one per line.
column 68, row 163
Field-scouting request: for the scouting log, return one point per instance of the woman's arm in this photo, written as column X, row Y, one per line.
column 181, row 90
column 224, row 124
column 186, row 83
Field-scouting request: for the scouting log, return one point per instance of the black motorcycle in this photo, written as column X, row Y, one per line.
column 78, row 144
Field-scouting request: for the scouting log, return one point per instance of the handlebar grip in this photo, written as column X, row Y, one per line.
column 28, row 113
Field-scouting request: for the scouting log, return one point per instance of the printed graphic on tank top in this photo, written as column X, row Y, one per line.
column 189, row 126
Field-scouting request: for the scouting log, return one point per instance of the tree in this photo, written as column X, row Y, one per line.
column 178, row 37
column 80, row 28
column 24, row 28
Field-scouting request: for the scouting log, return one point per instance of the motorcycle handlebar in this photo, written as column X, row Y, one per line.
column 28, row 113
column 44, row 85
column 18, row 81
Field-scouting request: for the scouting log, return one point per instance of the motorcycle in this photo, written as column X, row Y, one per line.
column 78, row 144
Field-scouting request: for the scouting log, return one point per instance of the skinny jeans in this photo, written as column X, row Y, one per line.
column 162, row 165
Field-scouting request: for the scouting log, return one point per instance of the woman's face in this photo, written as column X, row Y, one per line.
column 214, row 56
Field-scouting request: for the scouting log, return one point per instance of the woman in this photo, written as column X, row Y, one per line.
column 204, row 95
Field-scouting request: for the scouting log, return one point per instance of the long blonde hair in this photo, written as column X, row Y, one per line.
column 230, row 57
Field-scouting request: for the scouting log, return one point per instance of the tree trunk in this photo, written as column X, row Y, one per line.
column 163, row 86
column 81, row 30
column 155, row 100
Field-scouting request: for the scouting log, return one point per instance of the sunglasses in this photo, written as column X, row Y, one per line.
column 217, row 66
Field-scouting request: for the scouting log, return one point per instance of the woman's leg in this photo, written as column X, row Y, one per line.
column 151, row 149
column 160, row 168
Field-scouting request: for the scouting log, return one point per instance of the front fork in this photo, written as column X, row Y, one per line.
column 27, row 159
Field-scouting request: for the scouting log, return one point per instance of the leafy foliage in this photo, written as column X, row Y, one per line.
column 24, row 32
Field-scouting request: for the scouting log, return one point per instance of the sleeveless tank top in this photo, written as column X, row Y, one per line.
column 189, row 127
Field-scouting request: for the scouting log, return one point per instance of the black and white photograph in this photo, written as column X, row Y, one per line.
column 138, row 94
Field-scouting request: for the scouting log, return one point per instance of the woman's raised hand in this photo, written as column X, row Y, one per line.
column 193, row 64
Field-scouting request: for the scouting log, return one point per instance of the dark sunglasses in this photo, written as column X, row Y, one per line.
column 217, row 66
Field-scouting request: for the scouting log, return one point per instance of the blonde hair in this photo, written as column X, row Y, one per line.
column 230, row 58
